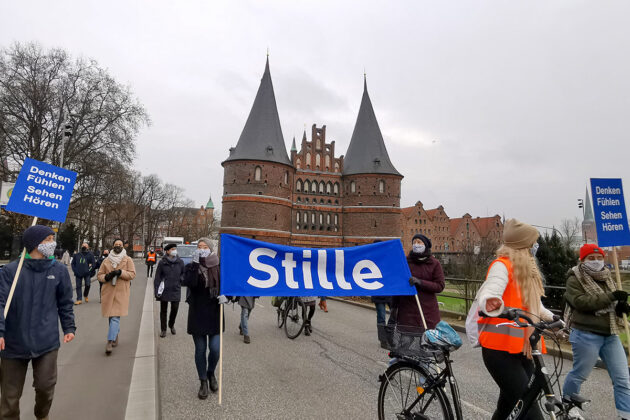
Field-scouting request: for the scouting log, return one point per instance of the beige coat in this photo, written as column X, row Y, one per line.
column 115, row 299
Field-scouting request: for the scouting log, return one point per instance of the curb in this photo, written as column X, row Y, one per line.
column 142, row 399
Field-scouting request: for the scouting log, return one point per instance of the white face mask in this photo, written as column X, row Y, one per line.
column 534, row 249
column 418, row 248
column 47, row 248
column 173, row 253
column 594, row 265
column 203, row 253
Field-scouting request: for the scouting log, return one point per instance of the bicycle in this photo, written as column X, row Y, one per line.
column 414, row 386
column 541, row 382
column 292, row 315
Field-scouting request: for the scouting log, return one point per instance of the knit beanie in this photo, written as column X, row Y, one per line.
column 34, row 236
column 169, row 246
column 588, row 249
column 427, row 241
column 207, row 241
column 519, row 235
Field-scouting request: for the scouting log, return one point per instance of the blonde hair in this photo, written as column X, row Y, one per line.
column 526, row 274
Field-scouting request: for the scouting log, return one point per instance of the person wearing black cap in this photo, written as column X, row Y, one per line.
column 428, row 278
column 168, row 286
column 31, row 333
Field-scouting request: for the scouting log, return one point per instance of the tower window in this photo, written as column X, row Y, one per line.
column 318, row 160
column 353, row 187
column 322, row 187
column 327, row 161
column 308, row 160
column 381, row 186
column 257, row 173
column 286, row 177
column 336, row 188
column 328, row 188
column 298, row 185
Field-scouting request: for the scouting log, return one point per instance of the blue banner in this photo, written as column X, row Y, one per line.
column 255, row 268
column 42, row 190
column 610, row 212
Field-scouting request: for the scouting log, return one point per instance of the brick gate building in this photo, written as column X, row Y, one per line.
column 311, row 198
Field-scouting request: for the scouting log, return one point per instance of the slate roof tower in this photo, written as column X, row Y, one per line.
column 589, row 230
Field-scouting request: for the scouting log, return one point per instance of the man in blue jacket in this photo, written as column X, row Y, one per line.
column 30, row 332
column 82, row 265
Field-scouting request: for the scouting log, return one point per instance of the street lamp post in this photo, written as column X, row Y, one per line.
column 67, row 133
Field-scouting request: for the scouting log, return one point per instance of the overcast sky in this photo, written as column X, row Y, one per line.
column 487, row 107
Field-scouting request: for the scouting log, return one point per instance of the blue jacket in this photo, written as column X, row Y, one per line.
column 82, row 263
column 43, row 295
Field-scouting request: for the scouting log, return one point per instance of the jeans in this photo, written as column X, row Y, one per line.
column 381, row 312
column 244, row 318
column 114, row 328
column 171, row 318
column 12, row 377
column 586, row 347
column 203, row 343
column 79, row 280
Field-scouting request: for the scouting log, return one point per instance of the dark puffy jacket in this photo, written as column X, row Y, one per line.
column 43, row 296
column 585, row 305
column 203, row 311
column 82, row 263
column 406, row 307
column 172, row 273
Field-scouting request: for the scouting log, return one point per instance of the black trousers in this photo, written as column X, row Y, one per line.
column 150, row 270
column 512, row 373
column 171, row 318
column 12, row 377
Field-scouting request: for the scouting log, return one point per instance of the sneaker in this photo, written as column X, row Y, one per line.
column 78, row 302
column 108, row 347
column 246, row 339
column 214, row 385
column 86, row 299
column 163, row 333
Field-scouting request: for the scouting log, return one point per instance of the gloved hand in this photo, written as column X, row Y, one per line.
column 621, row 308
column 195, row 256
column 222, row 300
column 118, row 272
column 109, row 276
column 556, row 318
column 620, row 295
column 413, row 281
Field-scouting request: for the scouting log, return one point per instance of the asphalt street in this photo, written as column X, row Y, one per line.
column 90, row 384
column 332, row 374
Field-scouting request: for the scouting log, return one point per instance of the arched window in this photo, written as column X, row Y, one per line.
column 313, row 218
column 336, row 166
column 327, row 161
column 298, row 185
column 308, row 160
column 305, row 217
column 353, row 187
column 318, row 144
column 381, row 186
column 322, row 187
column 336, row 188
column 314, row 187
column 328, row 219
column 328, row 188
column 297, row 218
column 286, row 177
column 321, row 219
column 318, row 160
column 307, row 186
column 298, row 164
column 336, row 219
column 257, row 173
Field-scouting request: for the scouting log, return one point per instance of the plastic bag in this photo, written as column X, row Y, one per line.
column 160, row 289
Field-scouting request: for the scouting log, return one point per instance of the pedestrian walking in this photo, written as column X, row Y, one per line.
column 82, row 267
column 116, row 273
column 202, row 278
column 323, row 303
column 65, row 258
column 428, row 278
column 168, row 286
column 150, row 262
column 247, row 304
column 30, row 333
column 514, row 281
column 309, row 302
column 594, row 311
column 97, row 267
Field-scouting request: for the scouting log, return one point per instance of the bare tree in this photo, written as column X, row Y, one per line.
column 571, row 230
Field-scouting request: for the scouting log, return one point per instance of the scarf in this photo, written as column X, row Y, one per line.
column 116, row 259
column 209, row 269
column 419, row 258
column 588, row 279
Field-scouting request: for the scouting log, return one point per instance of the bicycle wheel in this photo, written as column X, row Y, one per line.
column 407, row 392
column 294, row 319
column 280, row 310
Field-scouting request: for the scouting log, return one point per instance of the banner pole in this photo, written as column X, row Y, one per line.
column 424, row 322
column 618, row 276
column 220, row 354
column 15, row 278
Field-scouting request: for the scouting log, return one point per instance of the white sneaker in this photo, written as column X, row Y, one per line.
column 575, row 414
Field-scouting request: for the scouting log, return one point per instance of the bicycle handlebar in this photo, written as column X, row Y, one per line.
column 516, row 315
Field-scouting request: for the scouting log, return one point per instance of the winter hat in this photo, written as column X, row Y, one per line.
column 427, row 241
column 588, row 249
column 207, row 241
column 519, row 235
column 34, row 236
column 170, row 246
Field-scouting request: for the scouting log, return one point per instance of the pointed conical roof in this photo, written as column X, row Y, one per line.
column 210, row 204
column 293, row 146
column 261, row 138
column 588, row 208
column 367, row 153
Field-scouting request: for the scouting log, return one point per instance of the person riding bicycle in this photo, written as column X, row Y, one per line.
column 513, row 280
column 594, row 308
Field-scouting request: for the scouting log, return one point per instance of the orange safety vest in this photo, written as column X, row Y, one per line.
column 151, row 257
column 505, row 337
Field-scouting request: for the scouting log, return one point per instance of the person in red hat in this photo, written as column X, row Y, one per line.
column 594, row 312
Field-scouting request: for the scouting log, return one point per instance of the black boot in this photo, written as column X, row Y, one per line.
column 203, row 390
column 163, row 333
column 214, row 385
column 307, row 329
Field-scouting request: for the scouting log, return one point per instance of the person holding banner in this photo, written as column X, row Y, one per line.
column 594, row 309
column 202, row 277
column 31, row 333
column 428, row 278
column 115, row 274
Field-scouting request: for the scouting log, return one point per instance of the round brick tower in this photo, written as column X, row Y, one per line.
column 258, row 175
column 371, row 205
